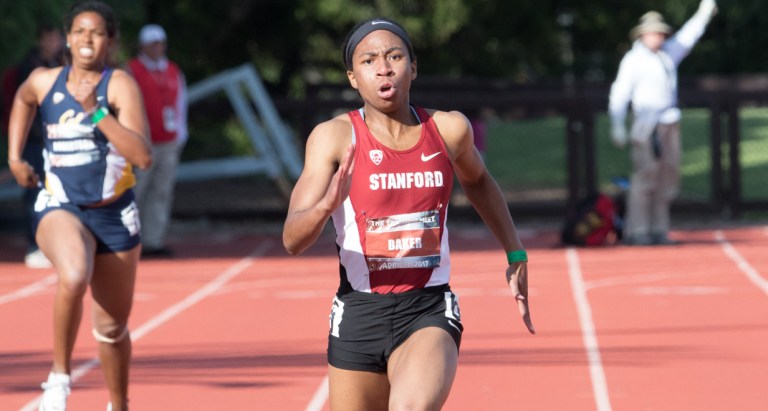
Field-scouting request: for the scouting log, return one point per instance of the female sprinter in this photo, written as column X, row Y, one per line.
column 87, row 222
column 384, row 173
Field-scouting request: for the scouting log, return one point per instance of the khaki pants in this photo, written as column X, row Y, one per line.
column 154, row 193
column 655, row 182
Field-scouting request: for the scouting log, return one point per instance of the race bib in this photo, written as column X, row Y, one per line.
column 403, row 241
column 169, row 119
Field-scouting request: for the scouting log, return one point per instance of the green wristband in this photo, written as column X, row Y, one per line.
column 517, row 256
column 99, row 115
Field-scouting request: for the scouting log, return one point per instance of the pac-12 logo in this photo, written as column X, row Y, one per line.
column 376, row 156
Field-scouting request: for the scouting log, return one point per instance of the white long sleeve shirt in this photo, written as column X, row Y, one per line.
column 648, row 79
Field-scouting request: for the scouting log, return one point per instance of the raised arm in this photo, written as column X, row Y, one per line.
column 322, row 186
column 682, row 42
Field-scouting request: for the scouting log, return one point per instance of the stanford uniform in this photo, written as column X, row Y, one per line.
column 393, row 249
column 391, row 229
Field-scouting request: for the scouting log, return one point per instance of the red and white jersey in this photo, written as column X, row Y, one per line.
column 391, row 231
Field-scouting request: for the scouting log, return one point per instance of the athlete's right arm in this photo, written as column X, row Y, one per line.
column 25, row 105
column 322, row 186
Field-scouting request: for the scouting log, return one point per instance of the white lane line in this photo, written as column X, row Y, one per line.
column 701, row 290
column 172, row 311
column 29, row 290
column 752, row 274
column 320, row 398
column 625, row 280
column 599, row 384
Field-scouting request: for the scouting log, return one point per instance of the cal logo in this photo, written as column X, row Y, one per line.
column 376, row 156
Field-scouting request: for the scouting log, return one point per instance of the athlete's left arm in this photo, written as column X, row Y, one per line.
column 486, row 197
column 127, row 127
column 480, row 187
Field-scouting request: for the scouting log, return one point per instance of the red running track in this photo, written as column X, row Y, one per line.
column 234, row 323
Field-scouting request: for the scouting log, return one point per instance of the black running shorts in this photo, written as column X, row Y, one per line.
column 366, row 328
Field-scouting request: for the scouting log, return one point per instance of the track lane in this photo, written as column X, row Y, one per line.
column 680, row 328
column 677, row 328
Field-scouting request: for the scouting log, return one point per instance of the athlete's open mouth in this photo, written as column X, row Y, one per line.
column 386, row 91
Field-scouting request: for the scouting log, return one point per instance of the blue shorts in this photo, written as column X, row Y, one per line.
column 366, row 328
column 115, row 226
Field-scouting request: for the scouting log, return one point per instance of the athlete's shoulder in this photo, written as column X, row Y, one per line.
column 121, row 75
column 39, row 83
column 332, row 136
column 449, row 121
column 339, row 127
column 122, row 82
column 44, row 76
column 45, row 72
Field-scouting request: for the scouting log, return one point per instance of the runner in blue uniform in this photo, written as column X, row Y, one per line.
column 87, row 221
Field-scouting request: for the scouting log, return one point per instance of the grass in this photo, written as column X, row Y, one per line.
column 531, row 154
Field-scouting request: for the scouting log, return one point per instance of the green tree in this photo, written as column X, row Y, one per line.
column 295, row 42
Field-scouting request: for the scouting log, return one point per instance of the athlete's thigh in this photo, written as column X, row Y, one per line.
column 68, row 243
column 112, row 286
column 422, row 369
column 357, row 390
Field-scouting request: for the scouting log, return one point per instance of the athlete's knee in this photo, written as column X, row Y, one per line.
column 111, row 335
column 416, row 402
column 73, row 282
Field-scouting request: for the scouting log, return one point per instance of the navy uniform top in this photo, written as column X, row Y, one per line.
column 82, row 167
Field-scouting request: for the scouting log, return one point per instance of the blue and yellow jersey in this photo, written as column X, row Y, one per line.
column 81, row 166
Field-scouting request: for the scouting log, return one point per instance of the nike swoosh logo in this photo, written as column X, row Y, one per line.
column 429, row 157
column 373, row 23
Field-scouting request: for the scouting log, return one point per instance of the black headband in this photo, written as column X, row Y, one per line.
column 367, row 28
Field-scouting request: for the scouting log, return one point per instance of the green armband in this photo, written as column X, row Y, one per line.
column 517, row 256
column 99, row 115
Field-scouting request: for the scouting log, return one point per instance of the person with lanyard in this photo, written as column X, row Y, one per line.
column 647, row 78
column 48, row 52
column 86, row 216
column 384, row 175
column 164, row 90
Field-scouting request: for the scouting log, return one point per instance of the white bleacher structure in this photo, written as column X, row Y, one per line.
column 273, row 143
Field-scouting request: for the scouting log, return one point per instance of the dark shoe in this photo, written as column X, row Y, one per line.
column 662, row 239
column 160, row 252
column 639, row 240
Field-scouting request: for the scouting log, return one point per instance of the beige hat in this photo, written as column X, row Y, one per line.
column 651, row 22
